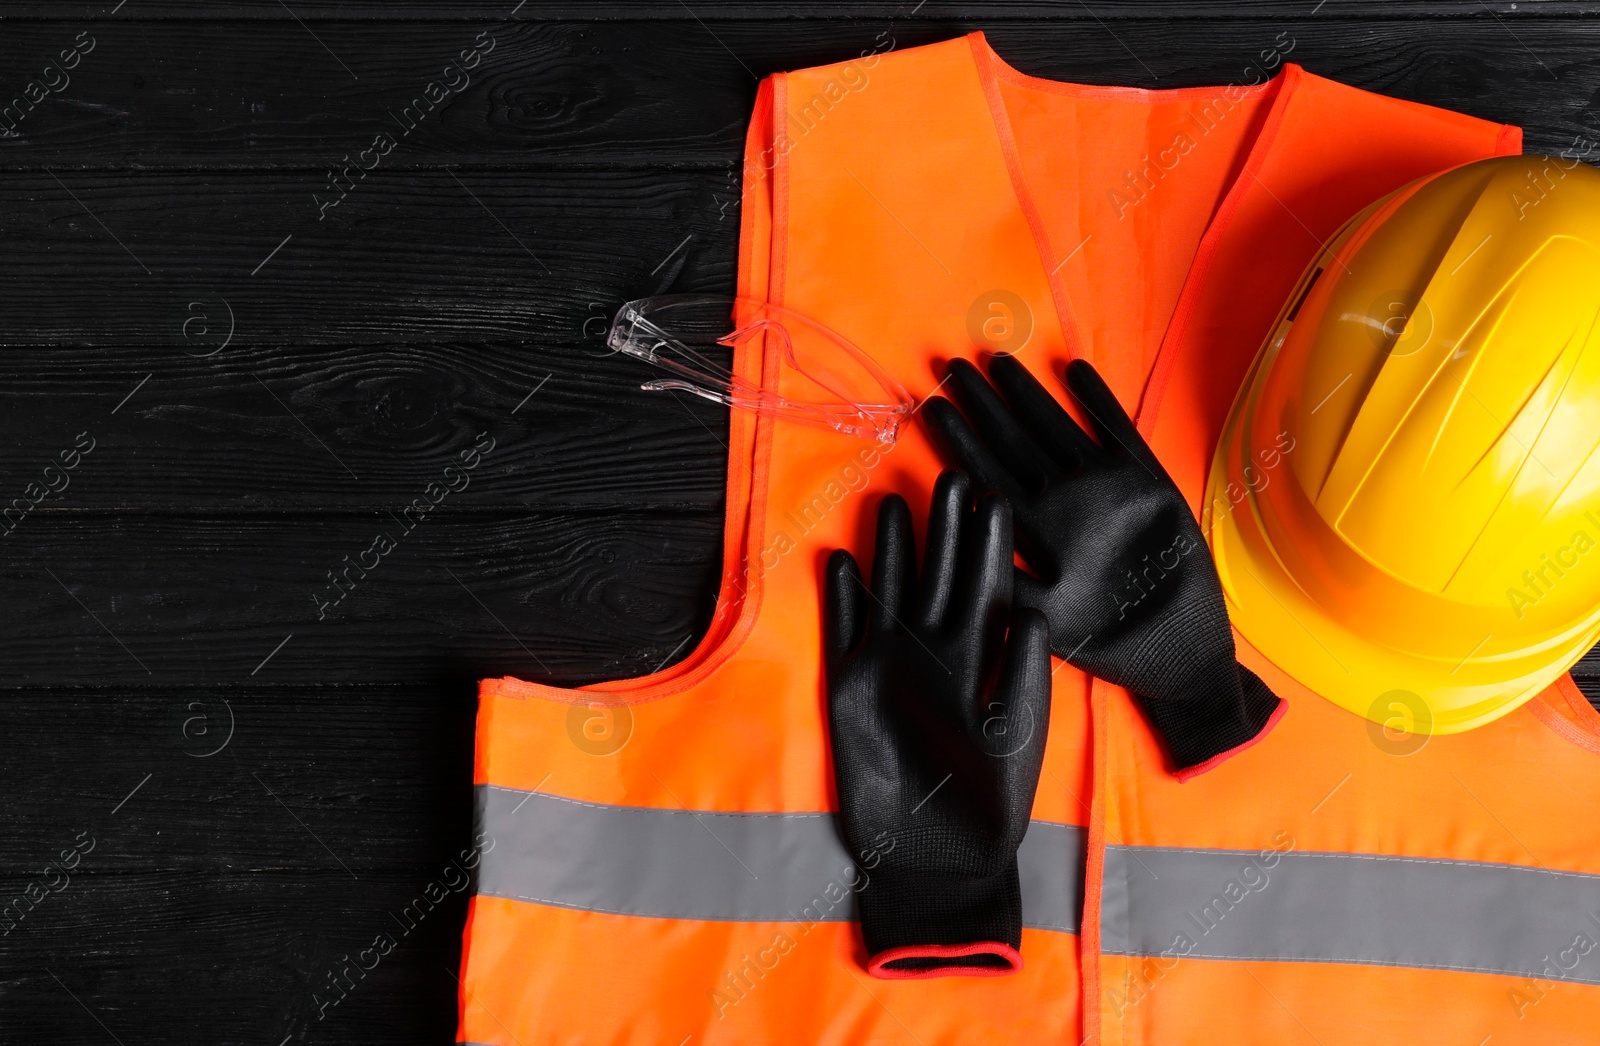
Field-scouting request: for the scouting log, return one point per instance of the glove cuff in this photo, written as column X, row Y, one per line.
column 1212, row 723
column 922, row 926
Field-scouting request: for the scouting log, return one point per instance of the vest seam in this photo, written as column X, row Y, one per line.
column 1576, row 733
column 718, row 813
column 575, row 906
column 985, row 61
column 1453, row 967
column 1155, row 386
column 1342, row 855
column 1090, row 974
column 663, row 809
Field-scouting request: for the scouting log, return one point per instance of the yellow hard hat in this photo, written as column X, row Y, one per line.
column 1404, row 506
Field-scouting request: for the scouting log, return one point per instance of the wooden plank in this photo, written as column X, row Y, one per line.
column 353, row 781
column 160, row 600
column 233, row 956
column 262, row 428
column 214, row 94
column 420, row 257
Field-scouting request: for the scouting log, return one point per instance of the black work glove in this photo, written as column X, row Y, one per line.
column 936, row 758
column 1119, row 566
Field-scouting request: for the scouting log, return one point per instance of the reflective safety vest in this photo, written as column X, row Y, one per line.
column 659, row 861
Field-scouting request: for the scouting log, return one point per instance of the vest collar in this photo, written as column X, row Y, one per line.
column 1281, row 89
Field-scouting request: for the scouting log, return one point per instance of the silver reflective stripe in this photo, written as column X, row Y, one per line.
column 1351, row 908
column 680, row 864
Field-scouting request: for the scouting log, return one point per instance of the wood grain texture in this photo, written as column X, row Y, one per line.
column 270, row 429
column 115, row 258
column 237, row 844
column 239, row 777
column 162, row 600
column 214, row 94
column 226, row 955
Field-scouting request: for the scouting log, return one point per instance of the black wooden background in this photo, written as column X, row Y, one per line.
column 266, row 781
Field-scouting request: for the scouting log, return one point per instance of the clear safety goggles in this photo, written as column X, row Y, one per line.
column 829, row 381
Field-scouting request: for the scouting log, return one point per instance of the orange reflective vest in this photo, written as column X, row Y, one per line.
column 659, row 861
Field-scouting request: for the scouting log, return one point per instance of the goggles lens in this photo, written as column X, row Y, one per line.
column 825, row 379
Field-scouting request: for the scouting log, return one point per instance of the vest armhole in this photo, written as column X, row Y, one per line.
column 1582, row 728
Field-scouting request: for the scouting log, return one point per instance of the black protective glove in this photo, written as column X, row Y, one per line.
column 1119, row 566
column 936, row 760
